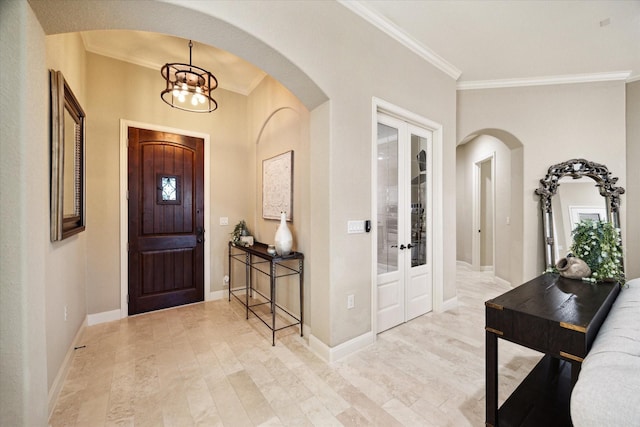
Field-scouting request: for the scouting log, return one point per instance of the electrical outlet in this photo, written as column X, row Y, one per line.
column 65, row 313
column 225, row 281
column 350, row 301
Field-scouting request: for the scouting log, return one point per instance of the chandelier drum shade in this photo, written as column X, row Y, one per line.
column 189, row 87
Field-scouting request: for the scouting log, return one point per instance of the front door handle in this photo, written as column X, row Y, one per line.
column 200, row 234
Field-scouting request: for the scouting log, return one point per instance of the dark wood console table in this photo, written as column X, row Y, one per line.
column 556, row 316
column 257, row 259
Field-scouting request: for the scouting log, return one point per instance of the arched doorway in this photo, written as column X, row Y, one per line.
column 489, row 196
column 67, row 16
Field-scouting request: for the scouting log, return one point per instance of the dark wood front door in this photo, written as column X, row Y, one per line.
column 166, row 220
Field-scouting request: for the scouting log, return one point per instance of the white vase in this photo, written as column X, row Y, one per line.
column 283, row 239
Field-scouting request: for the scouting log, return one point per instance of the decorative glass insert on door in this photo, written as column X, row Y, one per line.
column 387, row 199
column 168, row 189
column 418, row 200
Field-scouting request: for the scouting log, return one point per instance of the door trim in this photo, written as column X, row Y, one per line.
column 124, row 215
column 379, row 105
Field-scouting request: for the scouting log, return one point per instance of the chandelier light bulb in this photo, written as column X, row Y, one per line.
column 194, row 100
column 181, row 97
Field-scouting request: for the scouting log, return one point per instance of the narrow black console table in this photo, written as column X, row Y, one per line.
column 556, row 316
column 257, row 259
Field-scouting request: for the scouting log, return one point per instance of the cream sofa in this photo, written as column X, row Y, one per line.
column 607, row 392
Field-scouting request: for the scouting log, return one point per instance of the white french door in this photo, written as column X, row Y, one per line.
column 404, row 217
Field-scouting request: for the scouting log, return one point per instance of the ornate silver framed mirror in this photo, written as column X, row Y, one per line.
column 574, row 170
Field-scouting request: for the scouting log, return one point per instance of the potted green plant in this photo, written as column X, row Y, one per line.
column 239, row 230
column 598, row 243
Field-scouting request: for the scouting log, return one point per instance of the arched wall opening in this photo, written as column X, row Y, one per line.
column 65, row 16
column 233, row 139
column 505, row 152
column 303, row 95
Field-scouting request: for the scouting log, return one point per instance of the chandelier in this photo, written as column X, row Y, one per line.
column 189, row 87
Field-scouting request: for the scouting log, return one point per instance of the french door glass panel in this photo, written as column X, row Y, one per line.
column 419, row 186
column 387, row 199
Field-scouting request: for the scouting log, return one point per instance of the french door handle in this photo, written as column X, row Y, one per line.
column 409, row 246
column 402, row 247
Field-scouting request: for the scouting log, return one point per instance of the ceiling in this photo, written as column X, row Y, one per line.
column 479, row 43
column 492, row 41
column 153, row 50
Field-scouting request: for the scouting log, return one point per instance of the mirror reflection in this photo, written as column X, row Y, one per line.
column 575, row 200
column 69, row 208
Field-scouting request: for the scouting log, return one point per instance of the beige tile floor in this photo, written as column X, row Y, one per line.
column 206, row 365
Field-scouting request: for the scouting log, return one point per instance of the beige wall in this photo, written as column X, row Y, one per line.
column 554, row 124
column 24, row 222
column 66, row 261
column 631, row 200
column 279, row 122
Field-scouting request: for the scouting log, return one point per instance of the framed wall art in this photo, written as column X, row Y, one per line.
column 277, row 186
column 67, row 160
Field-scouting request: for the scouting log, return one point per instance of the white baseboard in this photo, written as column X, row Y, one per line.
column 104, row 317
column 486, row 268
column 58, row 381
column 449, row 304
column 306, row 331
column 463, row 263
column 216, row 295
column 332, row 354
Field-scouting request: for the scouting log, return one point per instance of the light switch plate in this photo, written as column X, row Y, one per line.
column 355, row 227
column 224, row 220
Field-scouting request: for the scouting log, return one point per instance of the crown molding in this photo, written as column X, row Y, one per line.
column 544, row 81
column 392, row 30
column 633, row 79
